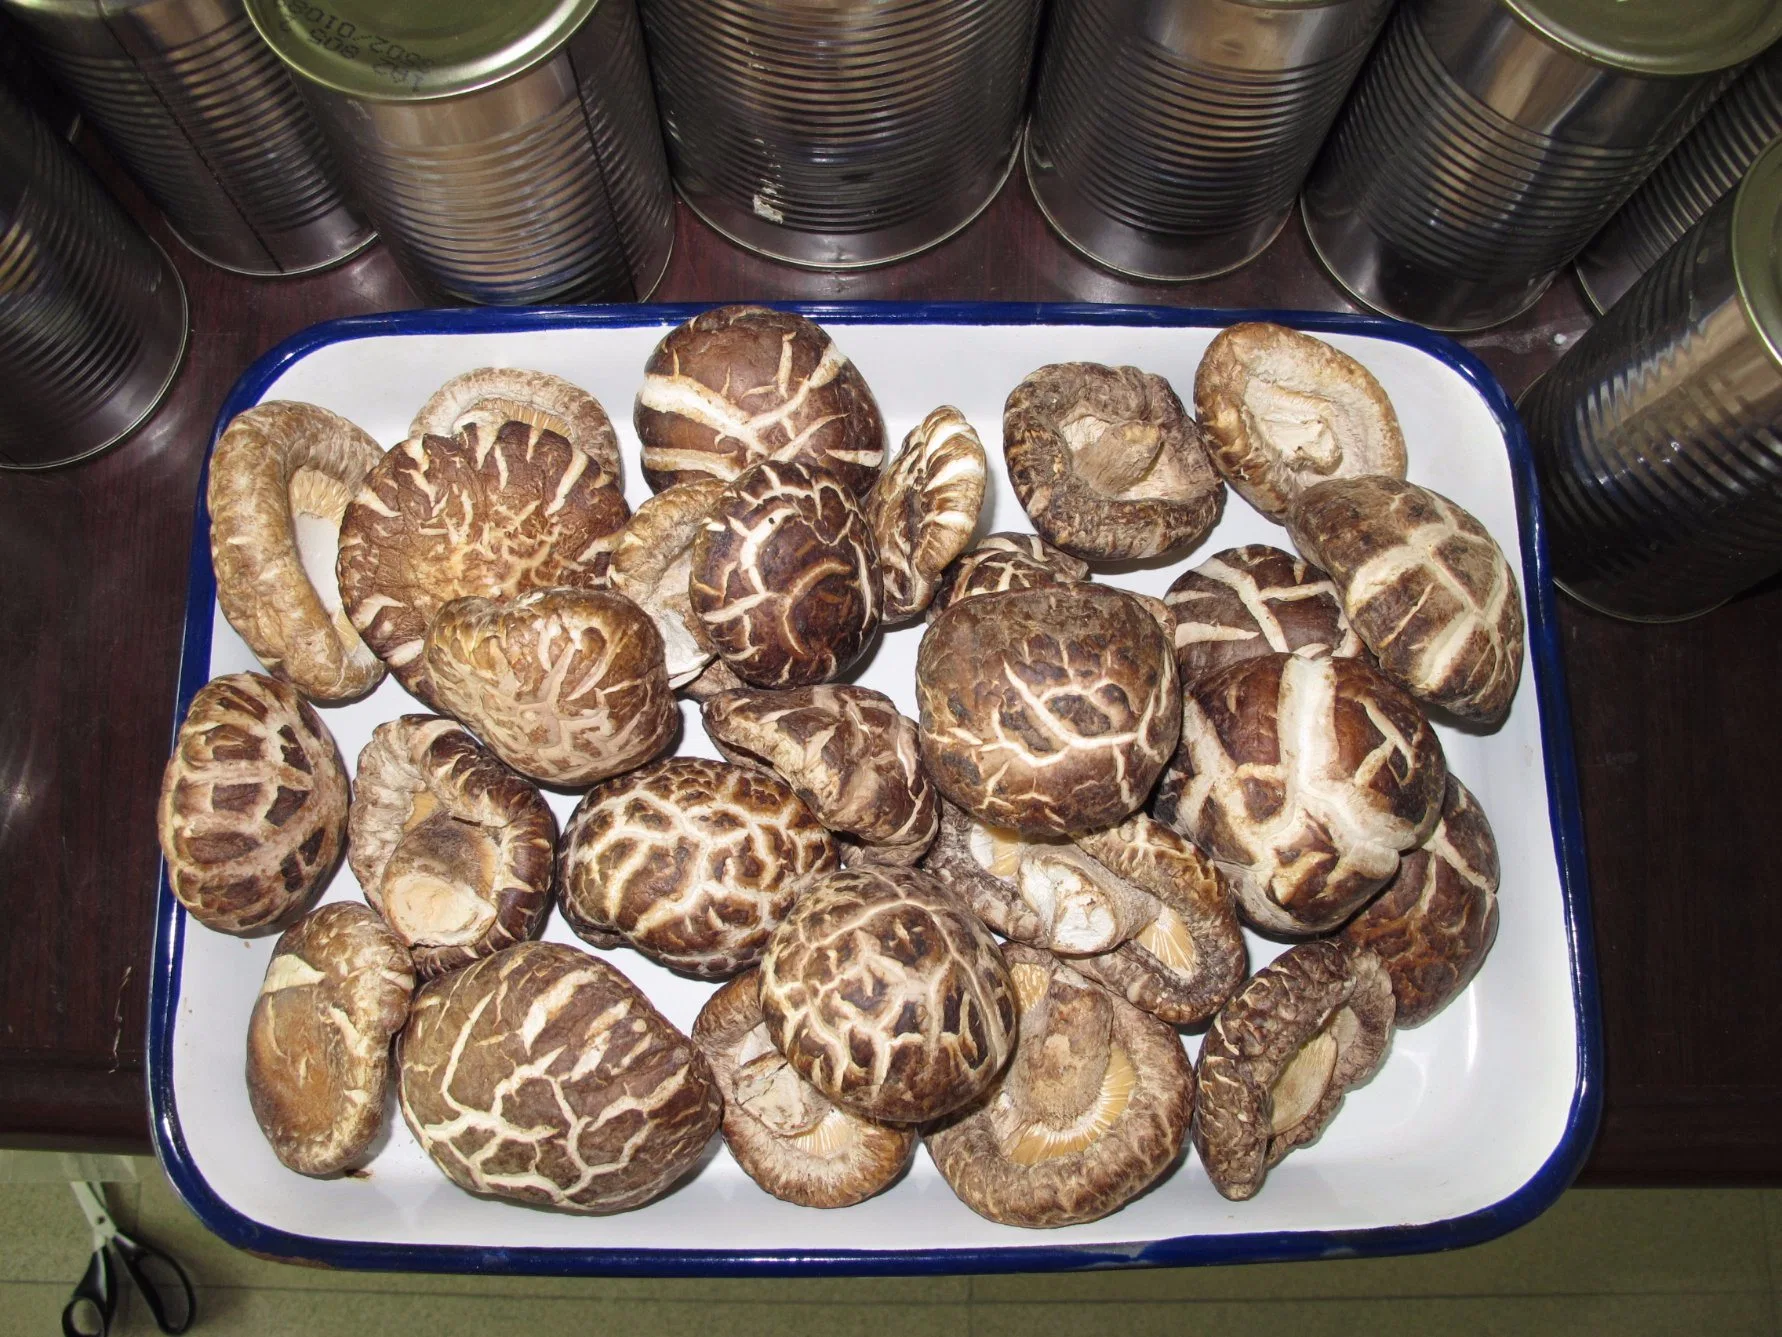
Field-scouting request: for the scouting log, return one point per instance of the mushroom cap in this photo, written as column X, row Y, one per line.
column 886, row 994
column 692, row 862
column 924, row 507
column 442, row 518
column 281, row 476
column 787, row 1136
column 567, row 686
column 543, row 1075
column 451, row 847
column 1256, row 600
column 1425, row 586
column 318, row 1044
column 1436, row 920
column 1005, row 561
column 785, row 576
column 1050, row 710
column 253, row 809
column 1093, row 1108
column 1282, row 411
column 852, row 758
column 653, row 565
column 1308, row 1026
column 495, row 396
column 1107, row 463
column 740, row 384
column 1305, row 779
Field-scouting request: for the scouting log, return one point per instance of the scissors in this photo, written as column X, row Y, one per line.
column 161, row 1281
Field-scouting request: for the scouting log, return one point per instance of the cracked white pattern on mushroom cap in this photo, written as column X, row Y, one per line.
column 924, row 507
column 1256, row 600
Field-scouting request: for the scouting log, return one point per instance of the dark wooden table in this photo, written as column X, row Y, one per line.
column 1677, row 727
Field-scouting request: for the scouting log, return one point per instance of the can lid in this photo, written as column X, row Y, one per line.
column 1657, row 37
column 1757, row 246
column 408, row 50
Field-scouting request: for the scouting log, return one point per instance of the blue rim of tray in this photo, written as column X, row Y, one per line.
column 1515, row 1210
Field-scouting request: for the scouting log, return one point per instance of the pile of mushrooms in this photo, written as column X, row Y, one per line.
column 983, row 930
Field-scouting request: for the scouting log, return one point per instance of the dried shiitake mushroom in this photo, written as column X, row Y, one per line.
column 1256, row 600
column 1424, row 584
column 1050, row 710
column 442, row 518
column 253, row 810
column 495, row 396
column 452, row 848
column 852, row 758
column 1006, row 561
column 543, row 1075
column 280, row 479
column 1106, row 462
column 653, row 565
column 1282, row 411
column 1091, row 1110
column 1273, row 1069
column 1305, row 779
column 785, row 576
column 318, row 1045
column 567, row 686
column 886, row 994
column 1436, row 920
column 717, row 677
column 787, row 1136
column 692, row 862
column 924, row 507
column 740, row 384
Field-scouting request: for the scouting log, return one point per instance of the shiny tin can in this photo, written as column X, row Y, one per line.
column 1658, row 437
column 839, row 133
column 508, row 153
column 208, row 122
column 1488, row 140
column 1708, row 163
column 92, row 314
column 1170, row 137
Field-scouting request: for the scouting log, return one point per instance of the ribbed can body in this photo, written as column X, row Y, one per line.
column 1708, row 163
column 1170, row 137
column 1656, row 439
column 92, row 314
column 209, row 123
column 1475, row 160
column 549, row 186
column 838, row 133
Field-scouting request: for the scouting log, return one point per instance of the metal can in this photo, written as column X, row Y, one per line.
column 92, row 314
column 1708, row 163
column 1658, row 437
column 209, row 123
column 1488, row 140
column 508, row 153
column 1170, row 137
column 839, row 133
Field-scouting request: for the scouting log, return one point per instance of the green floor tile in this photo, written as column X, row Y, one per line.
column 43, row 1236
column 34, row 1308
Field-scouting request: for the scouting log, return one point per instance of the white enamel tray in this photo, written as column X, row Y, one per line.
column 1474, row 1125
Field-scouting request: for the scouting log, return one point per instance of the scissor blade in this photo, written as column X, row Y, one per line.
column 92, row 1202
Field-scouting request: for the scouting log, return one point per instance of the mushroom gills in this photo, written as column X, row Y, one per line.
column 432, row 887
column 998, row 849
column 1029, row 1143
column 317, row 504
column 1307, row 430
column 1302, row 1083
column 1087, row 910
column 1167, row 938
column 496, row 412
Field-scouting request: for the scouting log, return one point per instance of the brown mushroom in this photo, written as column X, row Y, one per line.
column 1106, row 463
column 253, row 810
column 451, row 847
column 653, row 565
column 1273, row 1069
column 886, row 994
column 850, row 756
column 717, row 677
column 1256, row 600
column 1305, row 779
column 1050, row 710
column 318, row 1045
column 740, row 384
column 785, row 576
column 281, row 476
column 442, row 518
column 1005, row 561
column 1424, row 584
column 786, row 1135
column 1436, row 920
column 543, row 1075
column 495, row 396
column 1282, row 411
column 1093, row 1108
column 924, row 507
column 692, row 862
column 567, row 686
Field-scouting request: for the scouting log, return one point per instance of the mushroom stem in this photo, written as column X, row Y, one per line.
column 1089, row 911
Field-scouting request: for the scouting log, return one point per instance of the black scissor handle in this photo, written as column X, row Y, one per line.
column 88, row 1312
column 162, row 1283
